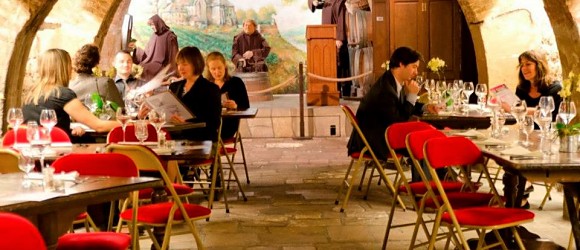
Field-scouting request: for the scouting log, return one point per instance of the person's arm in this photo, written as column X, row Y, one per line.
column 81, row 114
column 236, row 53
column 239, row 94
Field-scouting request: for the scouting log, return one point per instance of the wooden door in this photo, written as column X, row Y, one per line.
column 433, row 27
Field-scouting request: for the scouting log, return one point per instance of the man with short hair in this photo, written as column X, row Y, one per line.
column 124, row 79
column 250, row 49
column 393, row 98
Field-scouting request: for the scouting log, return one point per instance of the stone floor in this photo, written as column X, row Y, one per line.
column 291, row 205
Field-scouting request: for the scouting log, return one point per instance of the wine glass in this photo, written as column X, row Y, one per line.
column 468, row 89
column 123, row 117
column 528, row 127
column 543, row 120
column 31, row 128
column 40, row 141
column 481, row 92
column 48, row 119
column 546, row 104
column 518, row 110
column 141, row 130
column 157, row 119
column 26, row 164
column 15, row 118
column 567, row 111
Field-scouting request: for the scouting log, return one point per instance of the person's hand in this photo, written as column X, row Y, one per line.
column 175, row 118
column 143, row 111
column 338, row 44
column 77, row 131
column 230, row 104
column 411, row 87
column 131, row 46
column 433, row 108
column 506, row 107
column 248, row 54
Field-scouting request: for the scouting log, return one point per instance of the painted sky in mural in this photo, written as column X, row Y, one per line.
column 291, row 16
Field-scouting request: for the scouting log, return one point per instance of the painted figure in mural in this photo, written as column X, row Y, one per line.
column 161, row 50
column 124, row 78
column 393, row 98
column 85, row 83
column 250, row 49
column 233, row 90
column 334, row 12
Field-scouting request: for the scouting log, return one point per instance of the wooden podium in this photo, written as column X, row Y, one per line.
column 321, row 59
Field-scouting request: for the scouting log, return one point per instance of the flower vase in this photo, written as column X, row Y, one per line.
column 569, row 144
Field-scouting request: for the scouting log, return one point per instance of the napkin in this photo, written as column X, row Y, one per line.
column 491, row 141
column 61, row 144
column 70, row 176
column 162, row 151
column 521, row 151
column 472, row 133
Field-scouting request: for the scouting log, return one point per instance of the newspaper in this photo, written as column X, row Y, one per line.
column 504, row 93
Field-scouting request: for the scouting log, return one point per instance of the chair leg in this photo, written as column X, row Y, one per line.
column 349, row 184
column 244, row 159
column 232, row 170
column 389, row 184
column 344, row 182
column 362, row 178
column 549, row 187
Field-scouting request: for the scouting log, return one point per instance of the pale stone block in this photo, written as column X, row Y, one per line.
column 261, row 127
column 282, row 126
column 322, row 125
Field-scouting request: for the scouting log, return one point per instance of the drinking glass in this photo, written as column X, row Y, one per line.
column 26, row 164
column 123, row 117
column 543, row 120
column 546, row 104
column 431, row 87
column 48, row 119
column 141, row 130
column 31, row 128
column 527, row 128
column 40, row 141
column 157, row 119
column 567, row 111
column 15, row 118
column 481, row 92
column 468, row 89
column 519, row 110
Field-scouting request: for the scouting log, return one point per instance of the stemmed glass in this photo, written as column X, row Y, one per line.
column 528, row 127
column 157, row 119
column 26, row 164
column 567, row 111
column 547, row 104
column 519, row 110
column 141, row 130
column 40, row 141
column 15, row 118
column 48, row 119
column 481, row 92
column 431, row 87
column 468, row 89
column 543, row 120
column 123, row 117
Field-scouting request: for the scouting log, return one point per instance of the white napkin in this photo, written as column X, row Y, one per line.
column 472, row 133
column 61, row 144
column 70, row 176
column 521, row 151
column 491, row 141
column 162, row 151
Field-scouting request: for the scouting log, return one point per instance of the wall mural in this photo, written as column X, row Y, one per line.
column 211, row 25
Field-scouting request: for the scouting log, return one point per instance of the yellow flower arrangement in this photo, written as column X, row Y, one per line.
column 436, row 65
column 572, row 83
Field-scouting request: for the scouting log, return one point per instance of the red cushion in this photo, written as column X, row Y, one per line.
column 227, row 150
column 81, row 216
column 180, row 189
column 488, row 216
column 419, row 187
column 95, row 240
column 159, row 213
column 200, row 162
column 463, row 200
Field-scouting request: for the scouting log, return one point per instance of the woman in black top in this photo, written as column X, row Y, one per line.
column 233, row 90
column 200, row 96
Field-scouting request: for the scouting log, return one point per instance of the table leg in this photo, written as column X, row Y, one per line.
column 572, row 190
column 159, row 195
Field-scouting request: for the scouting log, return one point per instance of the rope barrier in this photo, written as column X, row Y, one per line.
column 330, row 79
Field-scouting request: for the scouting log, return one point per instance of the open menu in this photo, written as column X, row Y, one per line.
column 169, row 104
column 504, row 93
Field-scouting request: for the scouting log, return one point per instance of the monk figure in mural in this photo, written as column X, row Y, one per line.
column 161, row 50
column 250, row 49
column 334, row 12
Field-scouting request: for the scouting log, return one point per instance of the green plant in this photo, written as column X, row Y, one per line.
column 569, row 85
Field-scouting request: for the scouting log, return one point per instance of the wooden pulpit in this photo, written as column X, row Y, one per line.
column 321, row 61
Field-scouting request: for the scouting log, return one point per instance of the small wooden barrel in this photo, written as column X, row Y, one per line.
column 256, row 81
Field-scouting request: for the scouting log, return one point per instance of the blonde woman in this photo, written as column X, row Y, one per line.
column 52, row 92
column 233, row 90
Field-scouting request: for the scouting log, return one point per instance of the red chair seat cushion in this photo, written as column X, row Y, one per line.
column 227, row 150
column 419, row 187
column 201, row 162
column 488, row 216
column 460, row 200
column 94, row 240
column 180, row 189
column 159, row 213
column 82, row 216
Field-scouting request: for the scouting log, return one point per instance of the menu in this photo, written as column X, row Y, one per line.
column 168, row 103
column 504, row 93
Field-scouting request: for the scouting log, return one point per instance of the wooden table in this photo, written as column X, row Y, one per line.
column 560, row 167
column 472, row 120
column 53, row 213
column 170, row 128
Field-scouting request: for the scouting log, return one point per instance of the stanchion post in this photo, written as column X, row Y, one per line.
column 301, row 98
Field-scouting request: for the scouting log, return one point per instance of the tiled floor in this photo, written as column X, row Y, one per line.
column 291, row 205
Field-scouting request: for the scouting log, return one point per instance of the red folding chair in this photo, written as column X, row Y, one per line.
column 19, row 233
column 56, row 135
column 462, row 153
column 116, row 134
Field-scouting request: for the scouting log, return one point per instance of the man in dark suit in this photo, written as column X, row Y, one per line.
column 393, row 98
